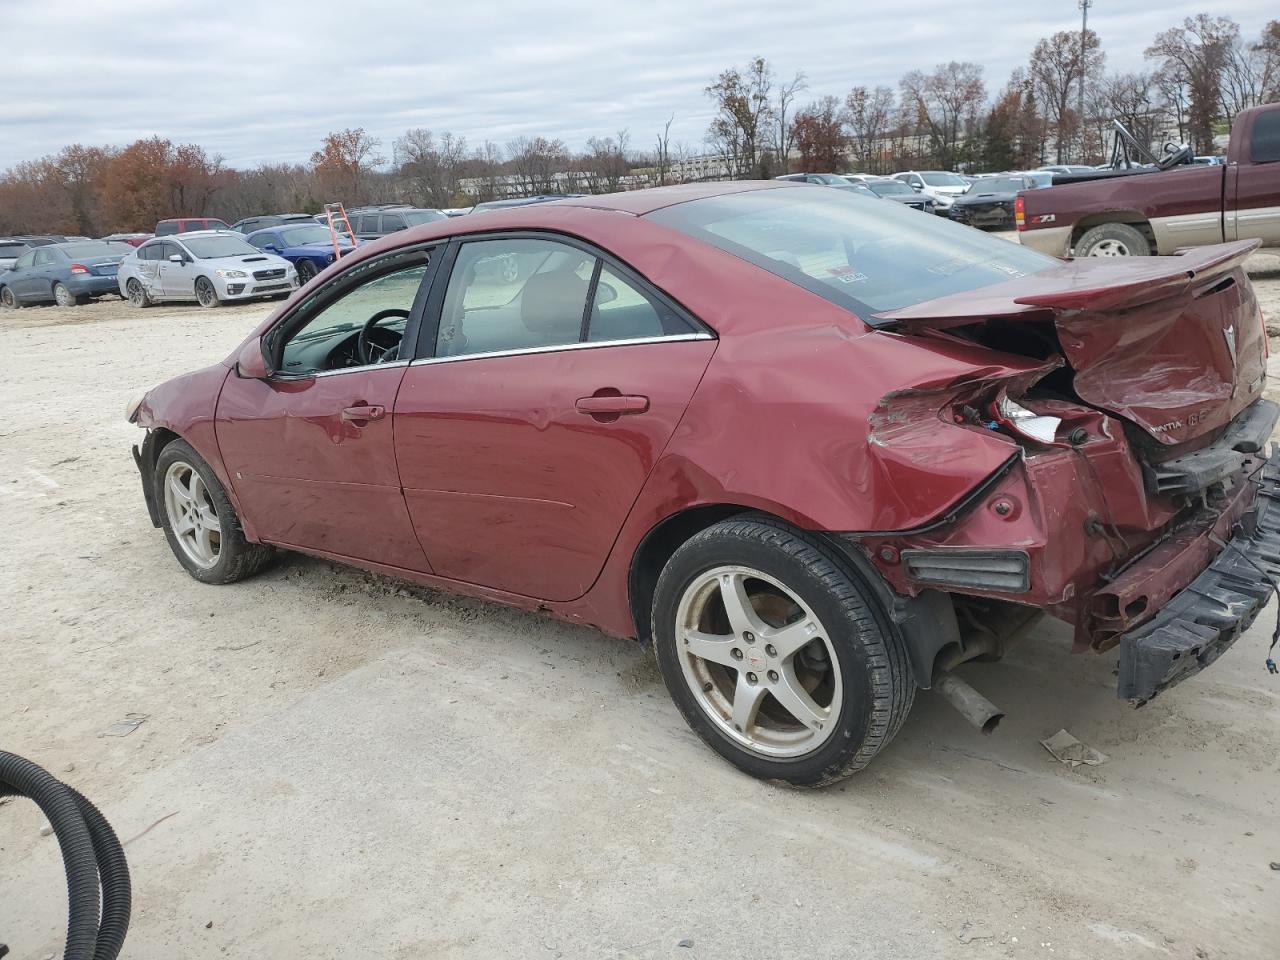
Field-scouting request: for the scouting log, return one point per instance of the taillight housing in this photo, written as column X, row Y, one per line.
column 79, row 268
column 1020, row 213
column 1026, row 424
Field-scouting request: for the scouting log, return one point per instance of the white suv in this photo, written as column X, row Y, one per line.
column 942, row 186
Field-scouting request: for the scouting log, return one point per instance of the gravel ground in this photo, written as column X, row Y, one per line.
column 333, row 762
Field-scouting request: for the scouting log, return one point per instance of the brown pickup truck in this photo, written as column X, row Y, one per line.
column 1158, row 211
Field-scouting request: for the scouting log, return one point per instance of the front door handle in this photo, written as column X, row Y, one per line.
column 612, row 406
column 363, row 413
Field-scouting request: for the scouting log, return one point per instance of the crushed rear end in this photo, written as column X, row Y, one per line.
column 1137, row 502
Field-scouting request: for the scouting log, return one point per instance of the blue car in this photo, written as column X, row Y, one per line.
column 308, row 246
column 63, row 273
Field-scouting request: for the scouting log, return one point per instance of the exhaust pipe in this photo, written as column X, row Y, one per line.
column 973, row 706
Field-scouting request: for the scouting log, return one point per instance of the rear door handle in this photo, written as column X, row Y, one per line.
column 363, row 413
column 616, row 406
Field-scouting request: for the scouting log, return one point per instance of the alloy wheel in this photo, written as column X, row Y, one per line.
column 7, row 298
column 758, row 661
column 205, row 293
column 191, row 514
column 306, row 270
column 62, row 296
column 137, row 296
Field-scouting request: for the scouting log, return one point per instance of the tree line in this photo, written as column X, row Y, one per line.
column 1201, row 73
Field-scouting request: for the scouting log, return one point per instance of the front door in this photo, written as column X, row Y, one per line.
column 177, row 279
column 309, row 449
column 555, row 381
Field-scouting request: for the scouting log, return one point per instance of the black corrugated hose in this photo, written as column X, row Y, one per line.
column 98, row 891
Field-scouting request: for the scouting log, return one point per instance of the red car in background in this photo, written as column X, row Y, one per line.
column 816, row 448
column 167, row 228
column 132, row 239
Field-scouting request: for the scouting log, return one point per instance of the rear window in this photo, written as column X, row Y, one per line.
column 860, row 254
column 12, row 249
column 997, row 185
column 1264, row 144
column 166, row 229
column 419, row 217
column 102, row 248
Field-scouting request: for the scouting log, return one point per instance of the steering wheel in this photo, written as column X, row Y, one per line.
column 370, row 352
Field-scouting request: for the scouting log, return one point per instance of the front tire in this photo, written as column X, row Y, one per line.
column 776, row 653
column 1113, row 240
column 206, row 296
column 8, row 300
column 199, row 521
column 306, row 271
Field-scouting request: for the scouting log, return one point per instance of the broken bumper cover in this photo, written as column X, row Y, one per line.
column 1205, row 618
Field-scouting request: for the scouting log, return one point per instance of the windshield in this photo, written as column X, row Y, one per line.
column 97, row 248
column 299, row 236
column 865, row 256
column 943, row 180
column 883, row 188
column 418, row 217
column 997, row 185
column 210, row 248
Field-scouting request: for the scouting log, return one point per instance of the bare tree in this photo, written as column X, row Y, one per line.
column 429, row 168
column 784, row 132
column 662, row 153
column 1268, row 48
column 606, row 162
column 945, row 103
column 868, row 117
column 1196, row 55
column 744, row 111
column 536, row 161
column 1057, row 65
column 1135, row 99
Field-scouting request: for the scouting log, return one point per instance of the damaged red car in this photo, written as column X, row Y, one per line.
column 816, row 448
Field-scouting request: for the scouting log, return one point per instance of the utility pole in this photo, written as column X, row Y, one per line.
column 1084, row 6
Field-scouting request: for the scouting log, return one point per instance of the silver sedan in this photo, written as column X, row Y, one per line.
column 207, row 266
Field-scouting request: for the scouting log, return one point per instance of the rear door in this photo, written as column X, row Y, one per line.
column 545, row 397
column 1253, row 184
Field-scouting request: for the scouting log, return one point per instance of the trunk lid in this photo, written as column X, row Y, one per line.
column 1175, row 345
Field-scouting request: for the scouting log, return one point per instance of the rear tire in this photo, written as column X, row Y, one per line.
column 199, row 521
column 64, row 297
column 820, row 704
column 206, row 296
column 137, row 294
column 1113, row 240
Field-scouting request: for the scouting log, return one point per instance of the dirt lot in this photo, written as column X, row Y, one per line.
column 335, row 764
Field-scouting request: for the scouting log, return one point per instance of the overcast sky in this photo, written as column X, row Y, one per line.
column 264, row 81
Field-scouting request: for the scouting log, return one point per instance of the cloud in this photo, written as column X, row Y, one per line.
column 264, row 81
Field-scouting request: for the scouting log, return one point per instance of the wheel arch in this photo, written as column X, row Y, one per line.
column 926, row 623
column 1133, row 218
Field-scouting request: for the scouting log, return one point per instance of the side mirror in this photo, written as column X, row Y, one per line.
column 177, row 258
column 251, row 364
column 916, row 187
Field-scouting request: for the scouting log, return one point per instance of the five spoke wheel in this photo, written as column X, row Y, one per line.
column 192, row 515
column 758, row 661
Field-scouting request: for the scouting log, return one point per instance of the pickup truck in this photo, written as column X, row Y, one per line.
column 1142, row 212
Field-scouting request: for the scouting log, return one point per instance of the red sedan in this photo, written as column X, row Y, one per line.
column 816, row 448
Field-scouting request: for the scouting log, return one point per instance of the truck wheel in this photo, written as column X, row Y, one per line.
column 776, row 655
column 1113, row 240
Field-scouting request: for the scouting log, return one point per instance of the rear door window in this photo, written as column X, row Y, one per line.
column 391, row 222
column 1264, row 143
column 514, row 294
column 621, row 311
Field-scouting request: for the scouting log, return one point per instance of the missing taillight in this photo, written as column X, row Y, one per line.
column 1026, row 424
